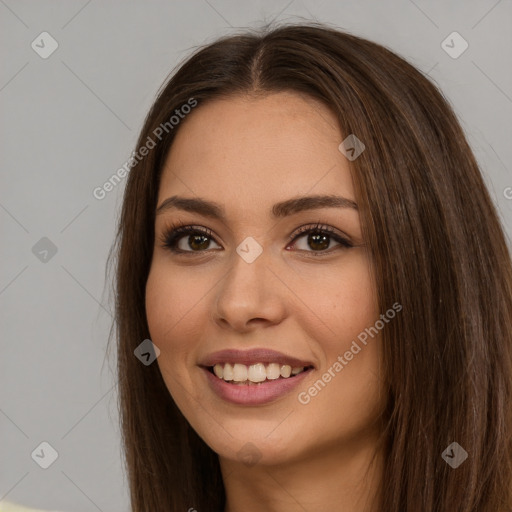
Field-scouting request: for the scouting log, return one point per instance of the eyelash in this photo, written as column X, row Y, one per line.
column 175, row 231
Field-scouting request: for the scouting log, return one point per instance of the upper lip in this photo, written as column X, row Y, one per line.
column 253, row 356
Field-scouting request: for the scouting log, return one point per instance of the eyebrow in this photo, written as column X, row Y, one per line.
column 279, row 210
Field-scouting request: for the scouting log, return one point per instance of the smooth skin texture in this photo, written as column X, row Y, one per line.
column 298, row 297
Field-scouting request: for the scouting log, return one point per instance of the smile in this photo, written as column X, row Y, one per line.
column 249, row 393
column 255, row 376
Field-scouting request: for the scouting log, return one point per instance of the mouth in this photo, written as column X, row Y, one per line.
column 253, row 377
column 236, row 385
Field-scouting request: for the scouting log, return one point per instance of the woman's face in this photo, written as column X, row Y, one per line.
column 257, row 281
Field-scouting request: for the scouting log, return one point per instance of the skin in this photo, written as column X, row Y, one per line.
column 248, row 153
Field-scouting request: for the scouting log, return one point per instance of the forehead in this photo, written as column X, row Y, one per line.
column 249, row 152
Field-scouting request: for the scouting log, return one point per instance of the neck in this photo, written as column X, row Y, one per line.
column 344, row 479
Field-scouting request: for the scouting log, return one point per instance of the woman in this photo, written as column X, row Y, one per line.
column 342, row 340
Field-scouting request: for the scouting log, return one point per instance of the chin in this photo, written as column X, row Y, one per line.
column 255, row 446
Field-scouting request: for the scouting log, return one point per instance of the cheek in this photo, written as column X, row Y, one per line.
column 344, row 406
column 169, row 304
column 177, row 313
column 346, row 396
column 341, row 300
column 159, row 305
column 166, row 312
column 173, row 303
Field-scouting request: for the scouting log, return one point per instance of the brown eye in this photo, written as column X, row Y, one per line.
column 187, row 239
column 318, row 239
column 195, row 242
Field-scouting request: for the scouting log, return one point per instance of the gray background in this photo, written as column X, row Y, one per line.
column 70, row 121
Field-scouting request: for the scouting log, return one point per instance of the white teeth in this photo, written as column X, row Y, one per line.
column 227, row 372
column 257, row 373
column 286, row 370
column 273, row 372
column 239, row 372
column 218, row 370
column 254, row 373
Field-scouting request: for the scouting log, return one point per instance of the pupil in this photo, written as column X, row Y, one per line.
column 315, row 239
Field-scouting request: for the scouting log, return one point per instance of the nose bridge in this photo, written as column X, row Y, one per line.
column 247, row 290
column 247, row 270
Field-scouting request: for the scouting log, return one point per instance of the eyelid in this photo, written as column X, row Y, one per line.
column 316, row 226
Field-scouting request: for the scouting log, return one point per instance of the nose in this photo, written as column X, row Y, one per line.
column 250, row 294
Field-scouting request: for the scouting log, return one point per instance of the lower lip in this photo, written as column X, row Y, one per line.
column 257, row 394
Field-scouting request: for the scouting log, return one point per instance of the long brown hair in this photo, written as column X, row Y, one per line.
column 437, row 248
